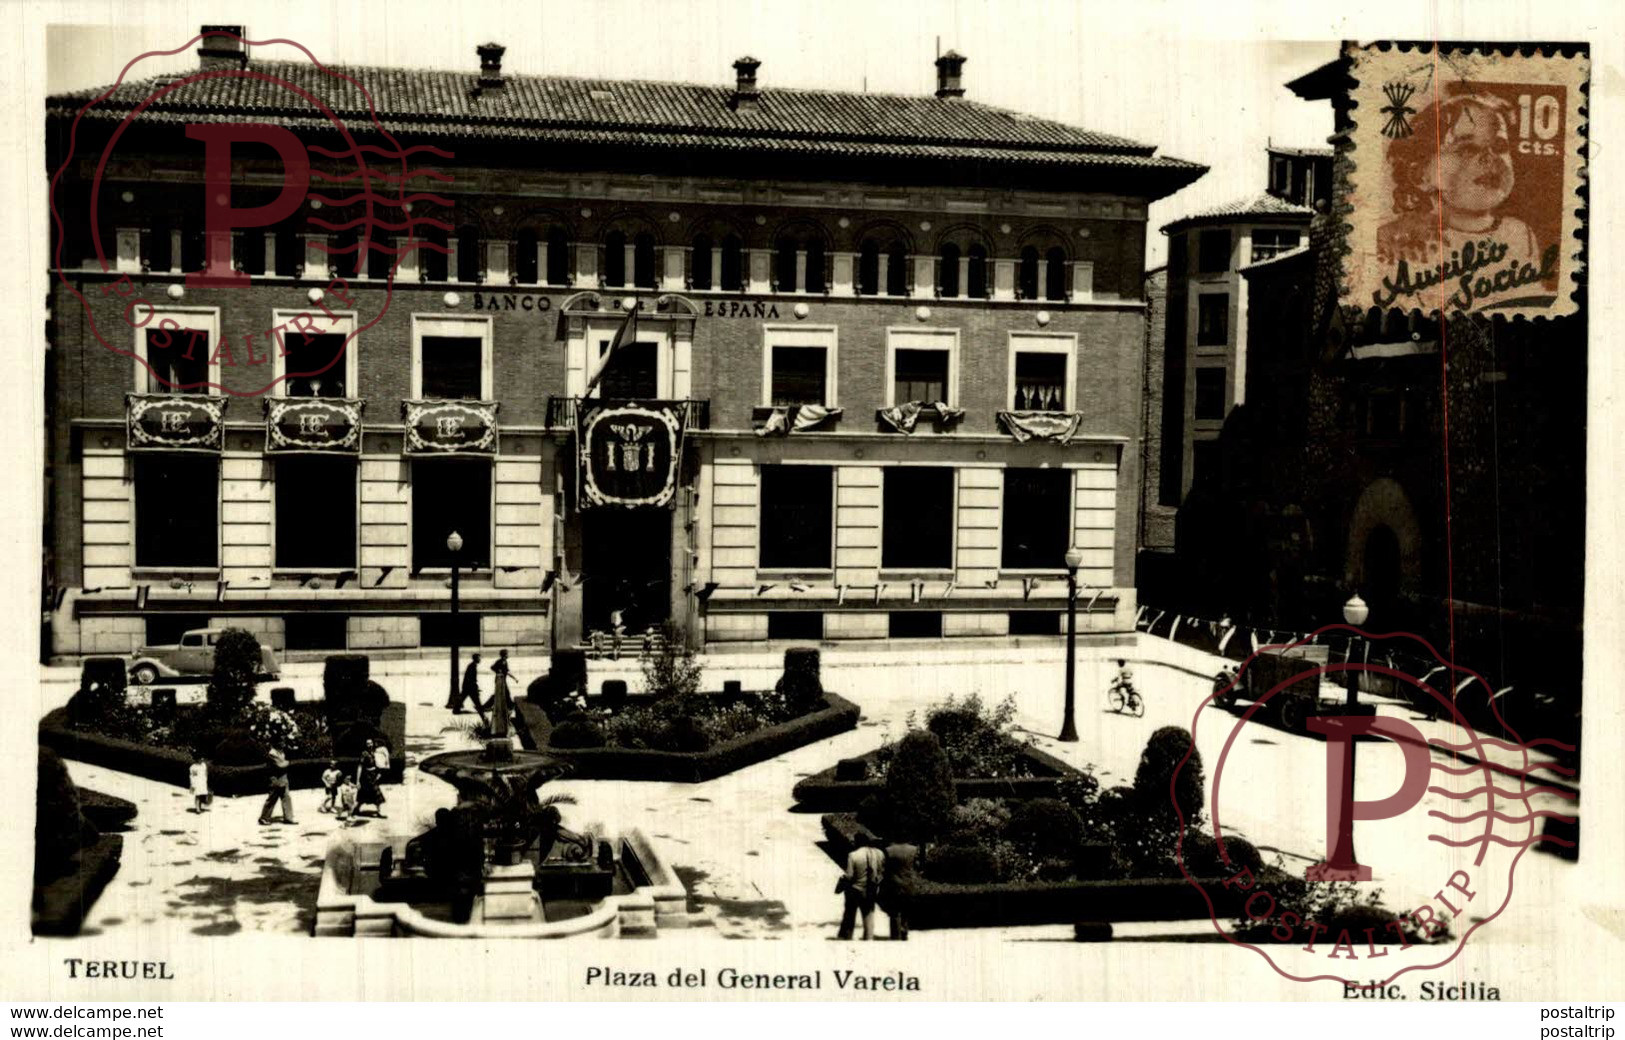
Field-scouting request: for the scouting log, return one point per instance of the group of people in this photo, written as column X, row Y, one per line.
column 877, row 872
column 346, row 793
column 469, row 692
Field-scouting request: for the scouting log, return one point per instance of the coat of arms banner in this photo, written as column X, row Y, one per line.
column 629, row 452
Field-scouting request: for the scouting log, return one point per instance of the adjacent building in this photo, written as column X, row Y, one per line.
column 767, row 363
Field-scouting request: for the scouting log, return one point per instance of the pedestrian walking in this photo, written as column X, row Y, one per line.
column 330, row 783
column 367, row 778
column 865, row 867
column 897, row 885
column 279, row 788
column 500, row 694
column 197, row 776
column 470, row 690
column 346, row 800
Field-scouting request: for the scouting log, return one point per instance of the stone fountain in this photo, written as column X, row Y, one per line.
column 494, row 857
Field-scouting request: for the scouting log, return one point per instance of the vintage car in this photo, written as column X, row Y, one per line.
column 193, row 655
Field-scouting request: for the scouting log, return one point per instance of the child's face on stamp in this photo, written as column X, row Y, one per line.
column 1474, row 165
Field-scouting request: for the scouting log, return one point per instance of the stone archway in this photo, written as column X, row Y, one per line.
column 1384, row 557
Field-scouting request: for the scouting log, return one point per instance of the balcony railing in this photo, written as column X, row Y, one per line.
column 562, row 411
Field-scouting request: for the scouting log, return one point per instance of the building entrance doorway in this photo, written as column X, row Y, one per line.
column 1382, row 573
column 626, row 566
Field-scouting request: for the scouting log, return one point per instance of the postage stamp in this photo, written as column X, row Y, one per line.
column 1465, row 192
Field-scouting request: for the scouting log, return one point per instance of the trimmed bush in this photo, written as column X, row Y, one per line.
column 374, row 699
column 60, row 826
column 1163, row 753
column 283, row 699
column 578, row 732
column 1241, row 854
column 1046, row 826
column 344, row 684
column 613, row 694
column 238, row 748
column 852, row 769
column 801, row 682
column 919, row 789
column 683, row 734
column 236, row 665
column 101, row 689
column 1201, row 854
column 963, row 864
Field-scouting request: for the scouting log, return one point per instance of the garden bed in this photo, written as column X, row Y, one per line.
column 61, row 903
column 937, row 904
column 106, row 812
column 169, row 765
column 835, row 715
column 825, row 792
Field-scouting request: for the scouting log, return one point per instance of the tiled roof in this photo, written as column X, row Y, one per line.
column 630, row 113
column 1265, row 205
column 1305, row 153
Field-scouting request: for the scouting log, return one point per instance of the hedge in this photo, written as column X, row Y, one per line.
column 105, row 812
column 169, row 766
column 935, row 904
column 60, row 904
column 826, row 792
column 691, row 767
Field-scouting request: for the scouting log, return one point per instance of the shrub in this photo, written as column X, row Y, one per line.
column 852, row 769
column 1163, row 754
column 919, row 788
column 374, row 699
column 1201, row 855
column 577, row 732
column 344, row 683
column 1241, row 854
column 60, row 827
column 979, row 741
column 874, row 813
column 1046, row 827
column 982, row 818
column 236, row 664
column 238, row 747
column 683, row 734
column 101, row 689
column 671, row 670
column 967, row 864
column 801, row 685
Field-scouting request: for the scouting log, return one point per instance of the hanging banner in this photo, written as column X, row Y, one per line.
column 629, row 452
column 450, row 427
column 175, row 422
column 295, row 424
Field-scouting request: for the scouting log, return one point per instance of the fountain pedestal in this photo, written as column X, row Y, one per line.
column 509, row 896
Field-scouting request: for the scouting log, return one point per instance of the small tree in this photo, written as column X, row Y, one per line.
column 1163, row 754
column 236, row 663
column 671, row 670
column 919, row 788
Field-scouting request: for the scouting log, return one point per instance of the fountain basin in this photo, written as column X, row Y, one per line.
column 645, row 898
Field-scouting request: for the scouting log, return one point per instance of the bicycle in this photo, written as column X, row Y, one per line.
column 1125, row 700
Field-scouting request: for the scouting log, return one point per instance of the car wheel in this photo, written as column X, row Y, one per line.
column 144, row 675
column 1295, row 714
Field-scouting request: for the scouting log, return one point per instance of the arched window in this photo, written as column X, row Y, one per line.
column 433, row 251
column 525, row 263
column 558, row 257
column 897, row 270
column 468, row 253
column 643, row 261
column 976, row 273
column 290, row 249
column 343, row 252
column 699, row 271
column 156, row 248
column 248, row 250
column 615, row 258
column 381, row 255
column 869, row 268
column 815, row 266
column 732, row 274
column 1027, row 279
column 784, row 265
column 1055, row 276
column 192, row 256
column 948, row 271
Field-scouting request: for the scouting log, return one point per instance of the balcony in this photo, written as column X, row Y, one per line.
column 175, row 422
column 562, row 412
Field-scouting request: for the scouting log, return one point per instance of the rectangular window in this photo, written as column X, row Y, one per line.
column 1282, row 177
column 917, row 518
column 798, row 517
column 441, row 630
column 799, row 375
column 795, row 624
column 1035, row 623
column 1205, row 464
column 451, row 495
column 1037, row 519
column 177, row 511
column 1210, row 393
column 914, row 624
column 1040, row 381
column 632, row 373
column 920, row 375
column 1213, row 319
column 308, row 631
column 1268, row 242
column 315, row 367
column 1213, row 252
column 1178, row 258
column 179, row 357
column 315, row 512
column 452, row 367
column 1385, row 413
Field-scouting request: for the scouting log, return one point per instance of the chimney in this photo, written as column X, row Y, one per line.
column 949, row 69
column 745, row 94
column 225, row 49
column 491, row 66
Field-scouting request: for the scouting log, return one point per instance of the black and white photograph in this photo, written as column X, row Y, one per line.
column 1120, row 502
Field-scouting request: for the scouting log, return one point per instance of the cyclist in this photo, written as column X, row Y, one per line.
column 1125, row 677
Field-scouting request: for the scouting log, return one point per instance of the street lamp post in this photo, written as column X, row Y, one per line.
column 454, row 545
column 1341, row 864
column 1069, row 726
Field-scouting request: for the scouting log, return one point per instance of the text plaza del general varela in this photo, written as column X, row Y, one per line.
column 885, row 369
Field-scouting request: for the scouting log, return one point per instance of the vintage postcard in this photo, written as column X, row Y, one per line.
column 936, row 504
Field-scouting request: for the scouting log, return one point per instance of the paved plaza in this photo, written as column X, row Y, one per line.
column 750, row 862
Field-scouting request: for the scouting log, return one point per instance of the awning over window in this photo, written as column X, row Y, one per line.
column 313, row 424
column 175, row 422
column 1041, row 426
column 450, row 427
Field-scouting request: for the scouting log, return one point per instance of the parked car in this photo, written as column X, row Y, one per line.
column 193, row 655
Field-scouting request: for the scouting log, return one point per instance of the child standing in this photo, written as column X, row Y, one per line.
column 346, row 798
column 330, row 781
column 198, row 782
